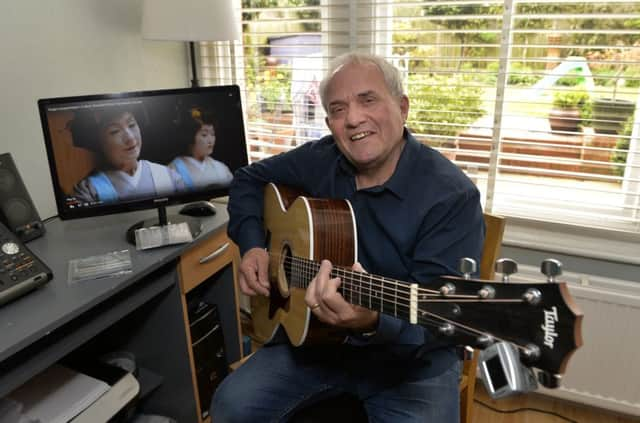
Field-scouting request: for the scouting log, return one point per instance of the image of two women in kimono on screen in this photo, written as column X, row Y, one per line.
column 114, row 134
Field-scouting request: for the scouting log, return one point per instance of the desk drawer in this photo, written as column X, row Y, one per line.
column 203, row 260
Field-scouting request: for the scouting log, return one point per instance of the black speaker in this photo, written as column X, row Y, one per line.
column 17, row 211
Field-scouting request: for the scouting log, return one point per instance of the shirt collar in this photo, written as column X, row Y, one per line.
column 399, row 181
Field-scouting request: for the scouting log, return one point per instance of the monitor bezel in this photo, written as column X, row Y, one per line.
column 66, row 213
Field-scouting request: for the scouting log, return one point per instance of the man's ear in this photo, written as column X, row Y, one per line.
column 404, row 106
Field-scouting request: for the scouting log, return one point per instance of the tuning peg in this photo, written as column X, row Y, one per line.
column 532, row 296
column 446, row 329
column 507, row 267
column 530, row 353
column 467, row 266
column 483, row 341
column 551, row 268
column 487, row 292
column 447, row 289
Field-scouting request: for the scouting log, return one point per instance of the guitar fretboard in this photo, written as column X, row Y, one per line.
column 386, row 295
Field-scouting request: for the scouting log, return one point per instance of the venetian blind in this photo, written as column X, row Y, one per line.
column 535, row 101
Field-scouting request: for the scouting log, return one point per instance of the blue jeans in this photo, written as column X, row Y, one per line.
column 279, row 379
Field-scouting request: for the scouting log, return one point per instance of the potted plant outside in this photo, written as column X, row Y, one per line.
column 610, row 114
column 567, row 110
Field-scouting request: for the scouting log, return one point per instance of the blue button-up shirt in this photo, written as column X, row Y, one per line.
column 414, row 227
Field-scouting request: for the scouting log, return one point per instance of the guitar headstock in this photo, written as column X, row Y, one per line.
column 540, row 319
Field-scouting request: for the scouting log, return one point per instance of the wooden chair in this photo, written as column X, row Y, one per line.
column 490, row 253
column 348, row 408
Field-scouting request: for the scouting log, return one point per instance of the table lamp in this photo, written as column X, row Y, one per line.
column 190, row 21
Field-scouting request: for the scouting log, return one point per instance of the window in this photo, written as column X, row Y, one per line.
column 535, row 100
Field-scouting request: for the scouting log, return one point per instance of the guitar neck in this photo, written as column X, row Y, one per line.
column 385, row 295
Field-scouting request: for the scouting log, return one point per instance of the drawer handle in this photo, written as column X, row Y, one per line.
column 215, row 254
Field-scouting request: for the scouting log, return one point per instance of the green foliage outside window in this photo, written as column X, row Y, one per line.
column 619, row 156
column 519, row 74
column 273, row 87
column 442, row 105
column 570, row 99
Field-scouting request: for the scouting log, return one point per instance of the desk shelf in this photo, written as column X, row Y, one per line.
column 142, row 312
column 203, row 272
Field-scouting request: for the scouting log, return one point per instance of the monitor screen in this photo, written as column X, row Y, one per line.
column 111, row 153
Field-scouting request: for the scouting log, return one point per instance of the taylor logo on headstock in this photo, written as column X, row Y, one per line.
column 549, row 326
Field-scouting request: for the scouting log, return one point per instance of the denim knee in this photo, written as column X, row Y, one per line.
column 226, row 405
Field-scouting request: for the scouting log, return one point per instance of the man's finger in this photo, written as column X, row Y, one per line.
column 358, row 267
column 263, row 273
column 245, row 288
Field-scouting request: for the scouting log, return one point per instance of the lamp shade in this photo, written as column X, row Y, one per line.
column 190, row 20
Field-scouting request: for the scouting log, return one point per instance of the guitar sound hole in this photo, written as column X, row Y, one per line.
column 286, row 264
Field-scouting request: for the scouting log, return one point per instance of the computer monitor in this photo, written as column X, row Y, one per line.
column 114, row 153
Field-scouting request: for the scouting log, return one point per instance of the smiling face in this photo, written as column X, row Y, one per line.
column 203, row 142
column 366, row 120
column 121, row 142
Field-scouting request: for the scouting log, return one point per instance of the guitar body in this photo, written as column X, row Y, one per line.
column 312, row 228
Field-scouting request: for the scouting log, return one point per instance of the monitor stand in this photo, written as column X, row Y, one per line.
column 163, row 220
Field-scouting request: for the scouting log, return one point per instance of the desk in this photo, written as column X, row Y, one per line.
column 142, row 312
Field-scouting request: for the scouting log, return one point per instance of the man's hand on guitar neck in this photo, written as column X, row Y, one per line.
column 330, row 307
column 254, row 278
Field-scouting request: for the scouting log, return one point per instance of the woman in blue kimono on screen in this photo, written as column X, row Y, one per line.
column 197, row 134
column 113, row 134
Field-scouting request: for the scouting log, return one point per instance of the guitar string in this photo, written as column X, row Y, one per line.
column 308, row 273
column 306, row 269
column 427, row 317
column 375, row 302
column 469, row 330
column 306, row 264
column 310, row 268
column 314, row 266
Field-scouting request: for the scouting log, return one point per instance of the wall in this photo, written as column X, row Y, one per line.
column 65, row 48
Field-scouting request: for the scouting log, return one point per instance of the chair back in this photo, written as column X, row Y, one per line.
column 490, row 252
column 492, row 241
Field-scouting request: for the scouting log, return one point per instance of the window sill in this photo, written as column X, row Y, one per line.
column 572, row 240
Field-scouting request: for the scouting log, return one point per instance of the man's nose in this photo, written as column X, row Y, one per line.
column 355, row 115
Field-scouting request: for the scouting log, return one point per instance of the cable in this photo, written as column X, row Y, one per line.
column 518, row 410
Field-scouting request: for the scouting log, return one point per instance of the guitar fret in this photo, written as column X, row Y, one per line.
column 360, row 290
column 395, row 303
column 385, row 295
column 370, row 292
column 382, row 302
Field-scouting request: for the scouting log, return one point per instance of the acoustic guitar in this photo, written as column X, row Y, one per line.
column 541, row 319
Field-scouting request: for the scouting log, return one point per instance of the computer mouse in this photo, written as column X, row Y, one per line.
column 198, row 209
